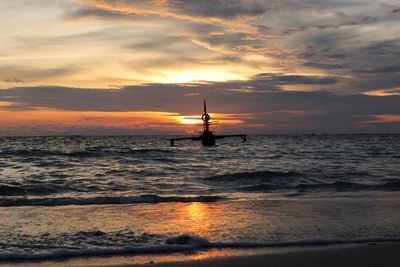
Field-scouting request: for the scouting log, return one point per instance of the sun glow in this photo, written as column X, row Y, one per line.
column 383, row 92
column 216, row 119
column 384, row 118
column 55, row 121
column 201, row 75
column 190, row 120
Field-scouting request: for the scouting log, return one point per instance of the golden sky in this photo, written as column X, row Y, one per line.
column 278, row 66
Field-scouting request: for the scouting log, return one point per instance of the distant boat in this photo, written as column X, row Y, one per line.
column 207, row 137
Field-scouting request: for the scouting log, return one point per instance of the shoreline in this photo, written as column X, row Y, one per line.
column 361, row 254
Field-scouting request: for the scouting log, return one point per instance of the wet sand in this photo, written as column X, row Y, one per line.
column 355, row 255
column 363, row 255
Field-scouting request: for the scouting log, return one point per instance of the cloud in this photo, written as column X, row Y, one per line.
column 231, row 9
column 297, row 79
column 122, row 42
column 12, row 80
column 386, row 118
column 268, row 108
column 16, row 74
column 198, row 11
column 292, row 65
column 152, row 97
column 289, row 65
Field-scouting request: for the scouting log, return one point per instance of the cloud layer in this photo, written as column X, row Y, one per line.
column 106, row 43
column 282, row 66
column 259, row 104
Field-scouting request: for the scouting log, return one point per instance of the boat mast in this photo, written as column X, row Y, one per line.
column 206, row 118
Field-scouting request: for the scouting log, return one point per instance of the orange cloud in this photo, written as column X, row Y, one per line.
column 391, row 92
column 53, row 122
column 166, row 8
column 386, row 118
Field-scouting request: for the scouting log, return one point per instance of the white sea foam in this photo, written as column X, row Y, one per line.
column 181, row 243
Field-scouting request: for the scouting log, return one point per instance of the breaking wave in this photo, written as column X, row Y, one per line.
column 181, row 243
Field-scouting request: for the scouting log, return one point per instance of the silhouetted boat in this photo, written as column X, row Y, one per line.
column 207, row 137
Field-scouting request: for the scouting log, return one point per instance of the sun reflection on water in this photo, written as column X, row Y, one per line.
column 194, row 217
column 196, row 211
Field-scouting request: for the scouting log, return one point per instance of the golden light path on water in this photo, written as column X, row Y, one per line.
column 192, row 218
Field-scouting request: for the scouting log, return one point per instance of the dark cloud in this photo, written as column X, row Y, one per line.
column 383, row 70
column 281, row 111
column 17, row 74
column 12, row 80
column 367, row 65
column 88, row 13
column 369, row 81
column 326, row 66
column 296, row 79
column 220, row 8
column 226, row 9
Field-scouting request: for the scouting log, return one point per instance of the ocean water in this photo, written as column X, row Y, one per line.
column 103, row 196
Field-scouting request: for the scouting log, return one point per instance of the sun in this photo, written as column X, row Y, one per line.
column 190, row 120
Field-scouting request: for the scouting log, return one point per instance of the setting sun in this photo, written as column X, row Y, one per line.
column 192, row 120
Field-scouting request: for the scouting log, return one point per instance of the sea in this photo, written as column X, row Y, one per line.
column 92, row 196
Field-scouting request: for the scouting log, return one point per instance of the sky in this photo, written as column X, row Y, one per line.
column 104, row 67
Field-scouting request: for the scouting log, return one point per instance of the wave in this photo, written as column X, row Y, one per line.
column 259, row 175
column 62, row 201
column 181, row 243
column 338, row 186
column 85, row 153
column 274, row 181
column 350, row 186
column 43, row 188
column 258, row 188
column 14, row 190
